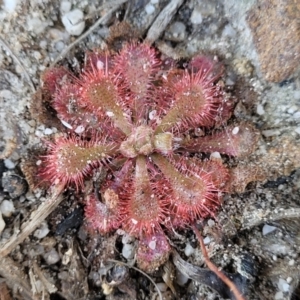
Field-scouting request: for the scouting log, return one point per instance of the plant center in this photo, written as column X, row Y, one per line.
column 143, row 141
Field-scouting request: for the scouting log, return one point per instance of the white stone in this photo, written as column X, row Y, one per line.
column 206, row 240
column 7, row 208
column 10, row 5
column 279, row 296
column 268, row 229
column 36, row 25
column 128, row 251
column 51, row 257
column 65, row 7
column 229, row 31
column 292, row 262
column 74, row 22
column 189, row 250
column 2, row 223
column 196, row 17
column 154, row 1
column 211, row 223
column 297, row 130
column 127, row 239
column 260, row 110
column 9, row 164
column 48, row 131
column 42, row 231
column 270, row 132
column 289, row 280
column 292, row 109
column 150, row 9
column 297, row 95
column 296, row 115
column 283, row 285
column 178, row 31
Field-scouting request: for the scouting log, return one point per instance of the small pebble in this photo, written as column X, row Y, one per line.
column 297, row 95
column 65, row 7
column 9, row 164
column 176, row 32
column 289, row 280
column 7, row 208
column 36, row 25
column 283, row 285
column 10, row 5
column 279, row 296
column 196, row 17
column 48, row 131
column 59, row 46
column 128, row 251
column 292, row 262
column 51, row 257
column 73, row 22
column 206, row 240
column 292, row 109
column 270, row 132
column 150, row 9
column 211, row 223
column 268, row 229
column 127, row 239
column 296, row 115
column 260, row 110
column 41, row 232
column 189, row 250
column 2, row 223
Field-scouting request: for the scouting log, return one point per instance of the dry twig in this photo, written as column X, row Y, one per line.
column 163, row 20
column 28, row 227
column 251, row 219
column 15, row 278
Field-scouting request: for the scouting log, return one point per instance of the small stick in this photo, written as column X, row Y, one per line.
column 214, row 268
column 163, row 20
column 102, row 20
column 17, row 60
column 43, row 211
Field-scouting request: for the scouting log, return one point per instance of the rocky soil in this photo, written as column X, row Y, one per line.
column 45, row 250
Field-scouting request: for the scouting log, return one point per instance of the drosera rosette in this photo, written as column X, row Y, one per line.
column 135, row 117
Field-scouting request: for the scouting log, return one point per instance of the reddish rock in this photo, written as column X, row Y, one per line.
column 275, row 28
